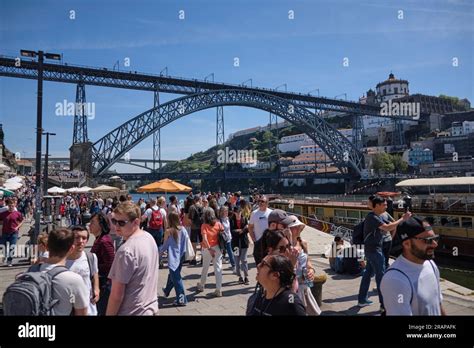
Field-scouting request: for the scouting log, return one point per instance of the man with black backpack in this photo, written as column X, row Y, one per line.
column 374, row 229
column 49, row 288
column 85, row 263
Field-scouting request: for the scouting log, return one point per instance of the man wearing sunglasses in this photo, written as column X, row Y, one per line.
column 134, row 271
column 411, row 285
column 258, row 223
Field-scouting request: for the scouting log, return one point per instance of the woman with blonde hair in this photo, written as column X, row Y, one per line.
column 175, row 244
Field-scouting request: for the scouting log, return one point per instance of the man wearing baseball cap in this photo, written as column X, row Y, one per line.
column 411, row 285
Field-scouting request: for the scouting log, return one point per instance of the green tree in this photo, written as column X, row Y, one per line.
column 383, row 163
column 400, row 166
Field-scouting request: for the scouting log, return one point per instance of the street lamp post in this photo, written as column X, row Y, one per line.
column 39, row 130
column 46, row 155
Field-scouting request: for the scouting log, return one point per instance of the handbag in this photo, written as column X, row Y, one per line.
column 309, row 302
column 190, row 254
column 222, row 241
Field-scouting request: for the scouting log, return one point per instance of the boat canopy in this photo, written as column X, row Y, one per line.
column 465, row 180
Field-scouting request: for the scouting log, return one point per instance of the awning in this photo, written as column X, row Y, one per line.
column 105, row 188
column 6, row 192
column 465, row 180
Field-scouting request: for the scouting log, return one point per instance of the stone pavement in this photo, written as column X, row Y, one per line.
column 339, row 292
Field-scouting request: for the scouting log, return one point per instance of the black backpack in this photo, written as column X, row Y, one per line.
column 358, row 234
column 32, row 293
column 197, row 216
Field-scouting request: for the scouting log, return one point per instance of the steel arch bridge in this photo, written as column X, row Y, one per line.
column 114, row 145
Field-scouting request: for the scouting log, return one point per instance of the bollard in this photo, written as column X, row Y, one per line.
column 317, row 289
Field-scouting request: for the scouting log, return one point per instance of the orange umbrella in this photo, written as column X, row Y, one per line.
column 165, row 185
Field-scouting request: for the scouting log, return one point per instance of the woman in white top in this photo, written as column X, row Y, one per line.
column 224, row 218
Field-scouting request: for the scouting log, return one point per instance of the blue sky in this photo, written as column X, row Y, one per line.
column 306, row 52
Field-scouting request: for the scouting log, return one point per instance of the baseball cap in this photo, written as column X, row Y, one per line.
column 296, row 222
column 280, row 217
column 412, row 227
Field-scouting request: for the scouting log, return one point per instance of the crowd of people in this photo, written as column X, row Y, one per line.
column 132, row 241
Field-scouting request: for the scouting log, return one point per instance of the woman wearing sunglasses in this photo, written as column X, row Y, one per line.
column 411, row 285
column 275, row 274
column 278, row 244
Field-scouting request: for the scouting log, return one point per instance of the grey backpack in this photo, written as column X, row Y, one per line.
column 32, row 293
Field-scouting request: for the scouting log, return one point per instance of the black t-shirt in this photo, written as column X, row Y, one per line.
column 285, row 303
column 373, row 236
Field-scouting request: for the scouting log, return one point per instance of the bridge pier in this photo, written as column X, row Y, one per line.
column 80, row 156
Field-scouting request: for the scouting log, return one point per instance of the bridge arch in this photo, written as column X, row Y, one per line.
column 114, row 145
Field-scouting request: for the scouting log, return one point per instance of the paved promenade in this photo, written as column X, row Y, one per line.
column 339, row 291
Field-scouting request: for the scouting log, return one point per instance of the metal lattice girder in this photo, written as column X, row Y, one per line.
column 157, row 134
column 146, row 82
column 80, row 118
column 110, row 148
column 220, row 136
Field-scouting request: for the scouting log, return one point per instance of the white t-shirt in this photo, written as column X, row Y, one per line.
column 397, row 291
column 226, row 224
column 69, row 289
column 259, row 220
column 81, row 267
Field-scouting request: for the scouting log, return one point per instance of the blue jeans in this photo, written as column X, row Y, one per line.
column 375, row 265
column 228, row 248
column 175, row 280
column 11, row 240
column 105, row 287
column 157, row 236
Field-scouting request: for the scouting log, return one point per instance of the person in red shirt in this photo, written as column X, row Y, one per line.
column 12, row 221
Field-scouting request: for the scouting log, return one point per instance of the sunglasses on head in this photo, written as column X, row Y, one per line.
column 121, row 223
column 264, row 263
column 429, row 240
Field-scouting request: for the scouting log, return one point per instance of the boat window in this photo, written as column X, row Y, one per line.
column 466, row 222
column 340, row 212
column 433, row 220
column 298, row 209
column 450, row 221
column 353, row 214
column 319, row 212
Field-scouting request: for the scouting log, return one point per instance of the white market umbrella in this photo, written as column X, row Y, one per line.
column 83, row 189
column 105, row 188
column 12, row 185
column 56, row 189
column 72, row 189
column 4, row 167
column 15, row 179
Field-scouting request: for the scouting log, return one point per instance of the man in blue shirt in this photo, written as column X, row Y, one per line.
column 374, row 230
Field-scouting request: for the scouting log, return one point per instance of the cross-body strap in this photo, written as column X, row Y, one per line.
column 409, row 281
